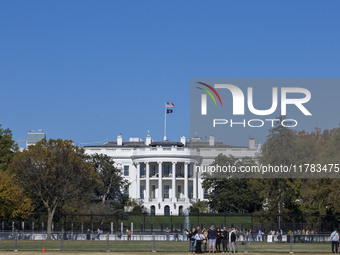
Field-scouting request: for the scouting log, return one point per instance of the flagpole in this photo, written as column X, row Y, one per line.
column 165, row 120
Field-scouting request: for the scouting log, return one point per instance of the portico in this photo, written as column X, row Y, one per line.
column 167, row 181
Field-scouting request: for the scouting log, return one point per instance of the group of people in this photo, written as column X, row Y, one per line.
column 211, row 240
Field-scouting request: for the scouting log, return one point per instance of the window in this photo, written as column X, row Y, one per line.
column 153, row 191
column 190, row 191
column 180, row 210
column 206, row 194
column 153, row 210
column 179, row 191
column 166, row 170
column 180, row 171
column 126, row 170
column 189, row 171
column 166, row 191
column 166, row 210
column 142, row 191
column 153, row 170
column 126, row 190
column 142, row 170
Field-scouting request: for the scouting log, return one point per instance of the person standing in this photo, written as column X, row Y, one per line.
column 205, row 240
column 167, row 234
column 225, row 239
column 218, row 240
column 175, row 234
column 212, row 238
column 199, row 238
column 335, row 240
column 259, row 235
column 191, row 237
column 232, row 241
column 128, row 232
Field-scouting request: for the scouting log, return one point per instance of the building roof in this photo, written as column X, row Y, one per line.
column 35, row 137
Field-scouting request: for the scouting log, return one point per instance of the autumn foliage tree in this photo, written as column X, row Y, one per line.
column 55, row 172
column 14, row 204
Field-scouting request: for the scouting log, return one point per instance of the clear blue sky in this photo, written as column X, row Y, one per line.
column 88, row 70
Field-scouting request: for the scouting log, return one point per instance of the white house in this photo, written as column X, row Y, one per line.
column 181, row 187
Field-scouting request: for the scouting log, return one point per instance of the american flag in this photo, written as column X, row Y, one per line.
column 169, row 105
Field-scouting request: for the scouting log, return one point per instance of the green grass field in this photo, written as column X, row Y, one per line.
column 160, row 246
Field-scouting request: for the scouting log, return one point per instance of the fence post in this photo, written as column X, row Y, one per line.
column 108, row 242
column 245, row 244
column 153, row 242
column 3, row 226
column 62, row 241
column 16, row 236
column 291, row 244
column 111, row 227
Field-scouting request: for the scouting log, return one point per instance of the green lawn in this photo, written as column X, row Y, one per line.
column 160, row 246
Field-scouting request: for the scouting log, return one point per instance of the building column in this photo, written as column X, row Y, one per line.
column 174, row 198
column 147, row 182
column 194, row 182
column 138, row 182
column 186, row 183
column 160, row 184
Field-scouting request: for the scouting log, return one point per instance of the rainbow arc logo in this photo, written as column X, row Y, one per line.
column 209, row 93
column 204, row 97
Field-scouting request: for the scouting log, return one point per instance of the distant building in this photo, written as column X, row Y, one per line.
column 34, row 136
column 161, row 173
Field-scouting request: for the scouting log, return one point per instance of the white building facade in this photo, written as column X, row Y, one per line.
column 162, row 175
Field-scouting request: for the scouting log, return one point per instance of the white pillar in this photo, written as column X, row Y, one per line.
column 138, row 182
column 200, row 191
column 147, row 184
column 186, row 183
column 174, row 199
column 160, row 185
column 131, row 228
column 194, row 182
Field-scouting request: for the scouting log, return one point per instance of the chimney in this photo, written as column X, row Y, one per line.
column 252, row 143
column 211, row 140
column 120, row 140
column 183, row 140
column 148, row 139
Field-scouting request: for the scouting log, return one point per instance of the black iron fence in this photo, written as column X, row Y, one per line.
column 149, row 223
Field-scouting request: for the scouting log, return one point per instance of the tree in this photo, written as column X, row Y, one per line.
column 8, row 147
column 200, row 207
column 231, row 194
column 113, row 183
column 54, row 172
column 14, row 204
column 280, row 194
